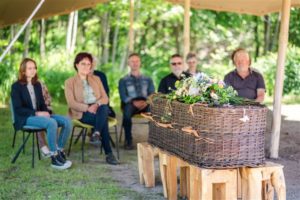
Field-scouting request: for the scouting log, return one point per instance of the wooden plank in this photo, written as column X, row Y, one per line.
column 171, row 169
column 148, row 166
column 140, row 163
column 163, row 173
column 278, row 181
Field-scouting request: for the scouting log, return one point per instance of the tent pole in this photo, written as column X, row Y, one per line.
column 131, row 29
column 283, row 42
column 21, row 30
column 186, row 34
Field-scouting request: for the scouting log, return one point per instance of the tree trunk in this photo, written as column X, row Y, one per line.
column 27, row 40
column 256, row 38
column 177, row 39
column 42, row 38
column 115, row 40
column 267, row 26
column 69, row 32
column 273, row 42
column 124, row 56
column 12, row 35
column 105, row 37
column 74, row 32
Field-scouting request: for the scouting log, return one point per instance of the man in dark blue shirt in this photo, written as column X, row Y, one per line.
column 134, row 90
column 246, row 81
column 167, row 84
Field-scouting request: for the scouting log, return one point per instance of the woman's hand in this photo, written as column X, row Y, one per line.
column 42, row 114
column 93, row 108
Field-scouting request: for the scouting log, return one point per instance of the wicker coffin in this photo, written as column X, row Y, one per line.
column 229, row 137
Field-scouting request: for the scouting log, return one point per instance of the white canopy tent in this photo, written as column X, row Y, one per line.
column 17, row 11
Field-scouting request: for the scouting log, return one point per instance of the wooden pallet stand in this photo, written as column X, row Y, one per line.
column 210, row 184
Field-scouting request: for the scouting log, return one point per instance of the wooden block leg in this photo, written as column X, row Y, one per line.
column 183, row 181
column 206, row 186
column 267, row 190
column 278, row 181
column 171, row 168
column 218, row 184
column 193, row 183
column 140, row 163
column 251, row 183
column 163, row 174
column 146, row 164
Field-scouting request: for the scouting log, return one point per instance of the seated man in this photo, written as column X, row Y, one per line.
column 246, row 81
column 103, row 79
column 192, row 62
column 134, row 89
column 167, row 84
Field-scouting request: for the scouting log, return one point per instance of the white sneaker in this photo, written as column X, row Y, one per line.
column 45, row 152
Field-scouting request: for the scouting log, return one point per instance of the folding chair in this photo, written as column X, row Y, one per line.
column 26, row 129
column 86, row 129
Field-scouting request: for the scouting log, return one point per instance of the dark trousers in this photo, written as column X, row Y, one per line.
column 128, row 111
column 100, row 123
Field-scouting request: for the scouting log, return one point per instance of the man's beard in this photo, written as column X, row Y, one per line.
column 177, row 72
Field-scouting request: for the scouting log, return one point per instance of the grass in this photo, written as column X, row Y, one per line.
column 91, row 180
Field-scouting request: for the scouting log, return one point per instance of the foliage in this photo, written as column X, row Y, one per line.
column 267, row 65
column 202, row 89
column 103, row 31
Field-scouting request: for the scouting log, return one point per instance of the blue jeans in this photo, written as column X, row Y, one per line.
column 100, row 123
column 51, row 125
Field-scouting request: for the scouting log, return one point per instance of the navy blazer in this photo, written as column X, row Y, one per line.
column 22, row 105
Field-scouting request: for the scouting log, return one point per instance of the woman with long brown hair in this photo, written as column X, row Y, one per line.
column 30, row 110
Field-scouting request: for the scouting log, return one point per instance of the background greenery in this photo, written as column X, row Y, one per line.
column 103, row 31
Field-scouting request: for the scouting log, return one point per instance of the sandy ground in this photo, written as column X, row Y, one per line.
column 126, row 174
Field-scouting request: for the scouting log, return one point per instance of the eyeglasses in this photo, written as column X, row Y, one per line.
column 174, row 63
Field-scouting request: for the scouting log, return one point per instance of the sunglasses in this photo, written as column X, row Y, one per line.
column 174, row 63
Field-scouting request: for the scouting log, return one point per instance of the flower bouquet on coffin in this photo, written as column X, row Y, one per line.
column 205, row 90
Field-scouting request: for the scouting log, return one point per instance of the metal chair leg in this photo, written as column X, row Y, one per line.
column 117, row 142
column 121, row 133
column 38, row 145
column 82, row 144
column 20, row 149
column 71, row 140
column 78, row 136
column 33, row 145
column 23, row 142
column 14, row 139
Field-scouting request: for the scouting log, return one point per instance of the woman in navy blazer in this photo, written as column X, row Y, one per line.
column 30, row 110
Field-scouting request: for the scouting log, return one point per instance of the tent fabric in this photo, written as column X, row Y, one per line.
column 17, row 11
column 253, row 7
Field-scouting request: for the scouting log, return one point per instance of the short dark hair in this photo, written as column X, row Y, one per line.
column 191, row 55
column 134, row 54
column 176, row 55
column 238, row 50
column 80, row 56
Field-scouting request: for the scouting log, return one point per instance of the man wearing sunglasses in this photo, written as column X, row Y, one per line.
column 167, row 84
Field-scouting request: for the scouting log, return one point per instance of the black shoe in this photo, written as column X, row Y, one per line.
column 95, row 139
column 57, row 164
column 128, row 146
column 62, row 155
column 110, row 159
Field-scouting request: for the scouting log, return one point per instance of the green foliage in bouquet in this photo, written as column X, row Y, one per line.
column 202, row 89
